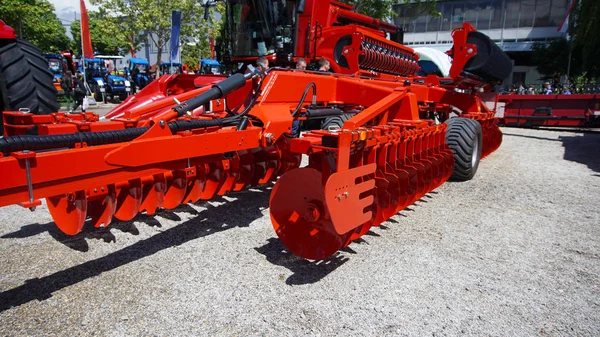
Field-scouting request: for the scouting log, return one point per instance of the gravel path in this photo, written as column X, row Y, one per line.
column 514, row 252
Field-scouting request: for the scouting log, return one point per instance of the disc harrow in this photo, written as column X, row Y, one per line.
column 375, row 145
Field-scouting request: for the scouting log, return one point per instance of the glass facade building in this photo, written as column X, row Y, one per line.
column 483, row 15
column 515, row 25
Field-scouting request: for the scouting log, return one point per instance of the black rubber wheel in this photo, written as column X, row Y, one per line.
column 25, row 81
column 28, row 82
column 335, row 122
column 97, row 93
column 464, row 138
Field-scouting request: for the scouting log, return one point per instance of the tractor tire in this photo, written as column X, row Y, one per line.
column 335, row 122
column 25, row 81
column 464, row 138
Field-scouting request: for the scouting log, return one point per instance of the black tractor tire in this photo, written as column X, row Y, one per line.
column 25, row 81
column 464, row 138
column 335, row 122
column 97, row 94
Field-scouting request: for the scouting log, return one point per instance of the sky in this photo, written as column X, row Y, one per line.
column 65, row 11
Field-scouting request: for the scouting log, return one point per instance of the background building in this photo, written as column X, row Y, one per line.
column 515, row 25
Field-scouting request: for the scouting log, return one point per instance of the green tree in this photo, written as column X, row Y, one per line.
column 584, row 26
column 153, row 18
column 36, row 20
column 107, row 37
column 553, row 58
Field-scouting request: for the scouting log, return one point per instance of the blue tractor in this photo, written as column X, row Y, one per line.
column 210, row 67
column 103, row 83
column 138, row 70
column 170, row 68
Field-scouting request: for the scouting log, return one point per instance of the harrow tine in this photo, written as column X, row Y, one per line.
column 129, row 200
column 195, row 184
column 246, row 170
column 102, row 210
column 215, row 177
column 176, row 189
column 69, row 211
column 154, row 193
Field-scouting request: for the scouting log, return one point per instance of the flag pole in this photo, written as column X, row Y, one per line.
column 82, row 54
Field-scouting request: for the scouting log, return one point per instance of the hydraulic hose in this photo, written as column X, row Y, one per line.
column 37, row 143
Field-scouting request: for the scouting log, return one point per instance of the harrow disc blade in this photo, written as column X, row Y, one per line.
column 69, row 211
column 129, row 200
column 154, row 194
column 176, row 188
column 194, row 186
column 300, row 217
column 101, row 211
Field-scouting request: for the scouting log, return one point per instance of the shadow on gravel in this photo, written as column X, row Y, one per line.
column 584, row 149
column 304, row 271
column 527, row 136
column 242, row 211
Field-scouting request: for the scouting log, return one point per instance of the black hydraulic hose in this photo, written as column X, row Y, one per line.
column 218, row 90
column 314, row 100
column 48, row 142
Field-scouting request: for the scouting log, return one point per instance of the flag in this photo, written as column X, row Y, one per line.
column 565, row 23
column 86, row 40
column 175, row 30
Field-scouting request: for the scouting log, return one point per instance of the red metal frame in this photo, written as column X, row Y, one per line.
column 579, row 110
column 6, row 32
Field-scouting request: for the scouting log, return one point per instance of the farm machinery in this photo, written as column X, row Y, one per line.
column 59, row 64
column 377, row 137
column 578, row 110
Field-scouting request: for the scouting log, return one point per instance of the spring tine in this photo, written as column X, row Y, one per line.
column 154, row 193
column 69, row 211
column 176, row 189
column 129, row 200
column 102, row 210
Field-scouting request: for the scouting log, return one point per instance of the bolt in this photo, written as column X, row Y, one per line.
column 470, row 50
column 95, row 190
column 102, row 189
column 162, row 123
column 346, row 195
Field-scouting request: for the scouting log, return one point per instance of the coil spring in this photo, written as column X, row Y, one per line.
column 387, row 59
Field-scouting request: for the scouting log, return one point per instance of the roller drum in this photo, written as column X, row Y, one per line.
column 490, row 63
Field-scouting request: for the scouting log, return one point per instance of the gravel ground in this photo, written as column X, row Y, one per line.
column 514, row 252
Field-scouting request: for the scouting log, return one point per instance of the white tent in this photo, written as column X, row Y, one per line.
column 440, row 59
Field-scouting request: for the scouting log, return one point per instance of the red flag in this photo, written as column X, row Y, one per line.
column 86, row 40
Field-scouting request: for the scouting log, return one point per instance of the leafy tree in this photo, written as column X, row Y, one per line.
column 553, row 58
column 585, row 31
column 153, row 17
column 107, row 36
column 37, row 22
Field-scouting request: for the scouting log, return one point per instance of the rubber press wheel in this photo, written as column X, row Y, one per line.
column 25, row 81
column 465, row 139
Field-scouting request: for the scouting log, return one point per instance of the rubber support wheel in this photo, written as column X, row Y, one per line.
column 335, row 122
column 464, row 138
